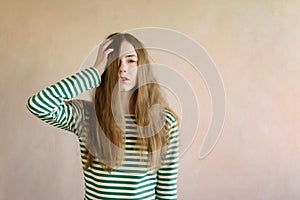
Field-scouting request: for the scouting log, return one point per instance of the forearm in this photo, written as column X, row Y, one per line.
column 50, row 103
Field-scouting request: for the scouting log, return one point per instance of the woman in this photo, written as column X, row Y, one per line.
column 128, row 136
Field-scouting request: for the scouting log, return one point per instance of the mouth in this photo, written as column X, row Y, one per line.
column 124, row 79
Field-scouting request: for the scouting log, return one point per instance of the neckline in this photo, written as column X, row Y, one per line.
column 129, row 114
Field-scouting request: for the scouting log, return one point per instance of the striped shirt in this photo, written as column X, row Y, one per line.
column 133, row 179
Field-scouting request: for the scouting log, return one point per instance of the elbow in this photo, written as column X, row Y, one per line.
column 33, row 106
column 30, row 105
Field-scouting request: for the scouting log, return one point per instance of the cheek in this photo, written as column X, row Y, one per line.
column 136, row 76
column 134, row 73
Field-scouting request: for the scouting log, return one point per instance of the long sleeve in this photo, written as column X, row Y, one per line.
column 52, row 104
column 167, row 174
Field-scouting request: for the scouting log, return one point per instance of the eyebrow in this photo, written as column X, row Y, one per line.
column 131, row 55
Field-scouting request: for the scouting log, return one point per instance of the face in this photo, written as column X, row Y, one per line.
column 127, row 67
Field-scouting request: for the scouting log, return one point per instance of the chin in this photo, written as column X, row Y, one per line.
column 124, row 89
column 127, row 89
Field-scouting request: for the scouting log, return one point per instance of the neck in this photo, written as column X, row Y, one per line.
column 125, row 104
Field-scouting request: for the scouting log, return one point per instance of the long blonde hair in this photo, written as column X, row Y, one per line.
column 107, row 141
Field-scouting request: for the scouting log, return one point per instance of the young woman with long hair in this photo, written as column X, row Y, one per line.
column 128, row 135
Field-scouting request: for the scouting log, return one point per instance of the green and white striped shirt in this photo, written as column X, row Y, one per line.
column 133, row 179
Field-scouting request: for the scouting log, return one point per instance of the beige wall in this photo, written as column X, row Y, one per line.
column 255, row 45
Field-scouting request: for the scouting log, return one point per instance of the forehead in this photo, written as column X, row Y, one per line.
column 126, row 48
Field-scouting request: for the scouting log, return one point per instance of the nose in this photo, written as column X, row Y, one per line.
column 123, row 68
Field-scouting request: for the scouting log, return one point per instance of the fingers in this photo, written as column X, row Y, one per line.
column 108, row 51
column 106, row 43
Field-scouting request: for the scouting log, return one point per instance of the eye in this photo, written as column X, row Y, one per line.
column 132, row 61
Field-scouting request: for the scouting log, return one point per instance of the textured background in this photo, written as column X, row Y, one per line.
column 255, row 45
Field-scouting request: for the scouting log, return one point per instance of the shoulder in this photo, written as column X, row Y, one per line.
column 84, row 104
column 172, row 128
column 171, row 122
column 170, row 117
column 81, row 106
column 84, row 112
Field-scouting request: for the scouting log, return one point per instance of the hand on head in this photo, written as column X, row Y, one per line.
column 103, row 51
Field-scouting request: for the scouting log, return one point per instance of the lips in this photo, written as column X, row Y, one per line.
column 123, row 79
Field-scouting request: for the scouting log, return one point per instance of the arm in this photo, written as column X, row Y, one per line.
column 52, row 105
column 167, row 174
